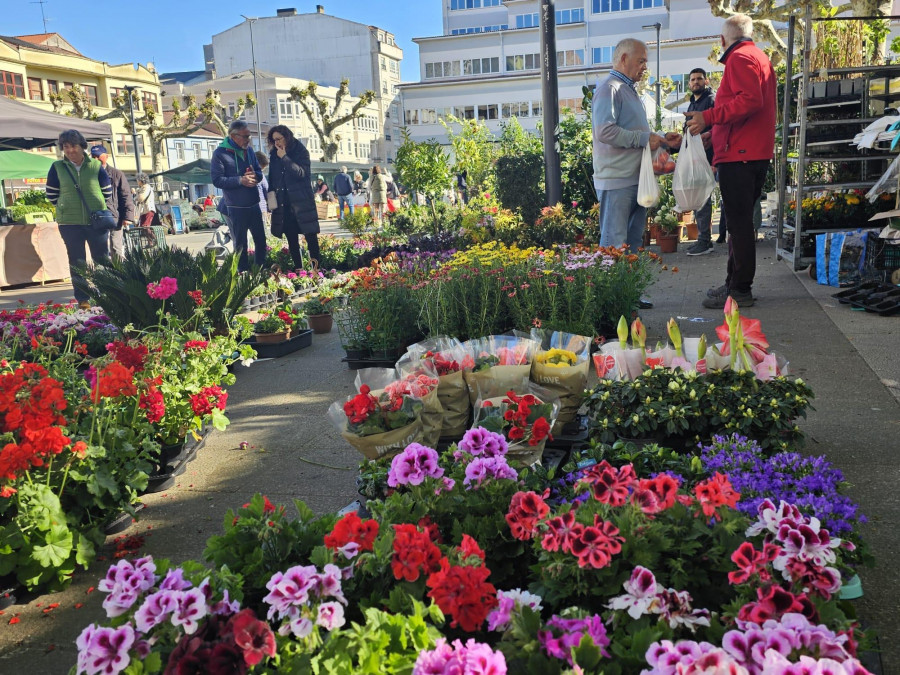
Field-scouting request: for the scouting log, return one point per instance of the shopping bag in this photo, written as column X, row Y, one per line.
column 390, row 205
column 840, row 257
column 693, row 180
column 648, row 188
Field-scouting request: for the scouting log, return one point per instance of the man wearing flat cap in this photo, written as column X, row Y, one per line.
column 120, row 203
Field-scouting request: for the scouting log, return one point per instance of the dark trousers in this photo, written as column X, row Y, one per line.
column 741, row 184
column 246, row 220
column 312, row 243
column 76, row 237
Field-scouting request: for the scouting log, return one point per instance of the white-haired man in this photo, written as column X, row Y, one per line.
column 743, row 138
column 343, row 188
column 620, row 133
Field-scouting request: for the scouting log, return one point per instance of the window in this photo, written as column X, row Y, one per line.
column 273, row 109
column 487, row 112
column 285, row 108
column 473, row 4
column 572, row 104
column 211, row 146
column 570, row 57
column 384, row 88
column 464, row 112
column 536, row 109
column 35, row 91
column 150, row 102
column 11, row 84
column 563, row 17
column 196, row 148
column 523, row 62
column 603, row 6
column 67, row 85
column 520, row 109
column 383, row 63
column 90, row 91
column 412, row 116
column 53, row 87
column 603, row 54
column 429, row 116
column 125, row 145
column 442, row 69
column 179, row 151
column 527, row 20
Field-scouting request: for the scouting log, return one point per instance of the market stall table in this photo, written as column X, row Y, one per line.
column 32, row 253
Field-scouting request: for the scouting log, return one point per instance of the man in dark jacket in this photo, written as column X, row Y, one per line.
column 121, row 204
column 343, row 188
column 702, row 98
column 235, row 170
column 743, row 138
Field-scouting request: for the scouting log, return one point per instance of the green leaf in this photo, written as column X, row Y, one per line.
column 57, row 549
column 85, row 552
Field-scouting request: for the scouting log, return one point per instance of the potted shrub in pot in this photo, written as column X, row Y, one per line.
column 271, row 328
column 318, row 315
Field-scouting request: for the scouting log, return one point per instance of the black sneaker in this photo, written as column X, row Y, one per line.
column 718, row 302
column 717, row 291
column 645, row 304
column 701, row 248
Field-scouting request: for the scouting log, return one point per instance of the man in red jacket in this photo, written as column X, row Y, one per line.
column 743, row 138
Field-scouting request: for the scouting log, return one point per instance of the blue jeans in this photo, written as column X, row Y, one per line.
column 622, row 219
column 344, row 199
column 76, row 237
column 703, row 218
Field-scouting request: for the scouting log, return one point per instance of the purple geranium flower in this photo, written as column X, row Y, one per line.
column 414, row 465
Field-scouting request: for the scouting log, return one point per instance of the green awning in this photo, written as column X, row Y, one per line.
column 196, row 172
column 21, row 164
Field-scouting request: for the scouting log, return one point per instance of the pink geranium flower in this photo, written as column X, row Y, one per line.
column 163, row 290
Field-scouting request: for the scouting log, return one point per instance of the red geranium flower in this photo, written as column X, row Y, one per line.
column 351, row 528
column 525, row 510
column 463, row 593
column 254, row 637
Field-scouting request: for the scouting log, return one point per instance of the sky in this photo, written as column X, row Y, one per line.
column 124, row 31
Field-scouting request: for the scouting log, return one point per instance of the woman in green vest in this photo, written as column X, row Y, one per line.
column 73, row 217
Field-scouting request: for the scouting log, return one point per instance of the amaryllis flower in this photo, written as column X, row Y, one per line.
column 166, row 288
column 755, row 341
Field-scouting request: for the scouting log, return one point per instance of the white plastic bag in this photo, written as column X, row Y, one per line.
column 648, row 188
column 693, row 180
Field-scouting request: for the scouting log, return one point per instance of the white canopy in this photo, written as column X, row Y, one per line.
column 670, row 120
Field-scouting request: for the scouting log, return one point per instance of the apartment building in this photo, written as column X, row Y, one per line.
column 360, row 139
column 325, row 49
column 486, row 64
column 32, row 67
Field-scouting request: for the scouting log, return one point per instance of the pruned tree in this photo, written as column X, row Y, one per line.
column 425, row 168
column 474, row 151
column 188, row 116
column 330, row 115
column 766, row 12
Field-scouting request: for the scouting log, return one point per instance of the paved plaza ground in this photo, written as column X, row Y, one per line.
column 850, row 360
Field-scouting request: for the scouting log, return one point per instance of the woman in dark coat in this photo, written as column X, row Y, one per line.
column 289, row 180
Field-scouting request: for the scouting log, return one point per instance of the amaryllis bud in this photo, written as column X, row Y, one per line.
column 622, row 330
column 701, row 347
column 674, row 336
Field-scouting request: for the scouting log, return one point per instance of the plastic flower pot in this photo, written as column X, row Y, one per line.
column 320, row 323
column 852, row 590
column 668, row 241
column 271, row 338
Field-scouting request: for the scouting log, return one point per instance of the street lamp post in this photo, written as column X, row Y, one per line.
column 657, row 26
column 134, row 135
column 550, row 103
column 255, row 87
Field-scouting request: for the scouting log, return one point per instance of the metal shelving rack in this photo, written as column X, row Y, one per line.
column 791, row 239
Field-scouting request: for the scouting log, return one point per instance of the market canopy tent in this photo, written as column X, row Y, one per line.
column 670, row 119
column 196, row 172
column 20, row 164
column 23, row 127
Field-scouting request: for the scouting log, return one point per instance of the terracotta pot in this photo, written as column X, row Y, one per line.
column 320, row 323
column 654, row 231
column 271, row 338
column 668, row 243
column 692, row 231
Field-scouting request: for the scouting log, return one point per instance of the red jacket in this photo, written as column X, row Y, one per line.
column 743, row 119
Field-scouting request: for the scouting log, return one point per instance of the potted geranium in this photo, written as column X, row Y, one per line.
column 271, row 328
column 524, row 420
column 318, row 315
